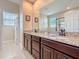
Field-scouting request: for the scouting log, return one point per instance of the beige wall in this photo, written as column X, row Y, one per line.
column 27, row 10
column 33, row 11
column 7, row 33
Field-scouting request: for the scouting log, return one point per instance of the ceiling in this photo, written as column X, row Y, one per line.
column 19, row 1
column 31, row 1
column 59, row 6
column 54, row 7
column 16, row 1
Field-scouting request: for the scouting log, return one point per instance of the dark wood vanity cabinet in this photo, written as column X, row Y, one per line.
column 43, row 48
column 49, row 53
column 27, row 42
column 36, row 47
column 51, row 50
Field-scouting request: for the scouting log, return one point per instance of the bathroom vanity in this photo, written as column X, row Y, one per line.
column 44, row 46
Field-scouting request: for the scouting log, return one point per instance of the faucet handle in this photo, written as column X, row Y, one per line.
column 62, row 32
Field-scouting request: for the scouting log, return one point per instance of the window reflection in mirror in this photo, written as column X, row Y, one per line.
column 52, row 25
column 61, row 26
column 43, row 24
column 72, row 22
column 60, row 23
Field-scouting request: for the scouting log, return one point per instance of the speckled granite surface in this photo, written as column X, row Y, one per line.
column 64, row 39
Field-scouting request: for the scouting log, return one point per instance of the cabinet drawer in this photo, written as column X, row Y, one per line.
column 35, row 38
column 35, row 45
column 29, row 45
column 35, row 54
column 27, row 36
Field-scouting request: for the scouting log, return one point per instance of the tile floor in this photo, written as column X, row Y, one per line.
column 10, row 50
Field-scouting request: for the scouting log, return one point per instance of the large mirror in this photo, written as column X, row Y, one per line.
column 62, row 19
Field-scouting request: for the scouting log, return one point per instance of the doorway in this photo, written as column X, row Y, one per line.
column 9, row 27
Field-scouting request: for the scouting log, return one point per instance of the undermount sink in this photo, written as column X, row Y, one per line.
column 52, row 35
column 61, row 37
column 58, row 37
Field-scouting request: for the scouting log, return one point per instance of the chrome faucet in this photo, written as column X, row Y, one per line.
column 62, row 32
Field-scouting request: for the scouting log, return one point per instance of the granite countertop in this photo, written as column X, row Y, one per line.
column 64, row 39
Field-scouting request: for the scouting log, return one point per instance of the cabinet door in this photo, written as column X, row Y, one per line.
column 59, row 55
column 46, row 52
column 35, row 54
column 29, row 45
column 26, row 43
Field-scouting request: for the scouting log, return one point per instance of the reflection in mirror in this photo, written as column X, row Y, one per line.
column 72, row 22
column 60, row 26
column 64, row 23
column 43, row 24
column 52, row 25
column 69, row 23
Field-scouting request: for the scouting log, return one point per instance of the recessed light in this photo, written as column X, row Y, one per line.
column 31, row 1
column 68, row 7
